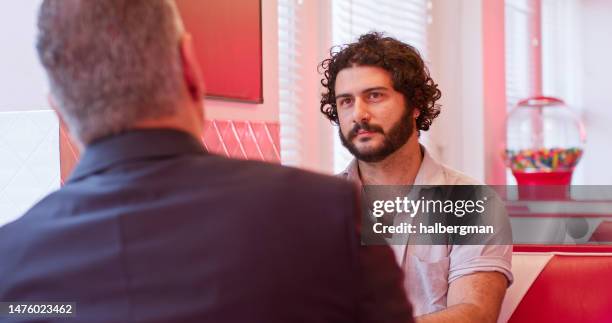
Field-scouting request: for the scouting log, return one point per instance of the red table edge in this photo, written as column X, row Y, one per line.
column 562, row 248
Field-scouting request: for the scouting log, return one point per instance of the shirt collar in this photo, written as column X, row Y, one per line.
column 134, row 145
column 431, row 172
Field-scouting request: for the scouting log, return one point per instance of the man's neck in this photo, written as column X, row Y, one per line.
column 399, row 168
column 182, row 120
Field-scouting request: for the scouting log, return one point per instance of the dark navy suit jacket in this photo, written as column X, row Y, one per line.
column 150, row 228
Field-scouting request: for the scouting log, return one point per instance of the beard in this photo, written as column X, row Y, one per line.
column 397, row 136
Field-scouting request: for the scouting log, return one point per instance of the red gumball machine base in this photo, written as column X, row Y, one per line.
column 554, row 185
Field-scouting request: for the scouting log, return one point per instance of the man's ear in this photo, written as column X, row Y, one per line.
column 55, row 108
column 63, row 124
column 191, row 68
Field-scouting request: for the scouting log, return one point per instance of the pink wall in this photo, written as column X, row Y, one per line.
column 23, row 85
column 494, row 90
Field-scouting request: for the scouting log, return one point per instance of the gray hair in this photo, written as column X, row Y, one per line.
column 111, row 63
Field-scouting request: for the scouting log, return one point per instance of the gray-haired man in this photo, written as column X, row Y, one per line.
column 150, row 228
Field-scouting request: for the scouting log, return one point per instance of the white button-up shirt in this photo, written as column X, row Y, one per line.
column 430, row 268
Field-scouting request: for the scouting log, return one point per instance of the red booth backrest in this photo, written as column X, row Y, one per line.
column 571, row 288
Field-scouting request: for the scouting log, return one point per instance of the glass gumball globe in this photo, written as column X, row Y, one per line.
column 545, row 141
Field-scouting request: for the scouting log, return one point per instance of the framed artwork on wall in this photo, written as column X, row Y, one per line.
column 227, row 40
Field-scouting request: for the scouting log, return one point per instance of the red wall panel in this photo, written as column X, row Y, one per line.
column 233, row 139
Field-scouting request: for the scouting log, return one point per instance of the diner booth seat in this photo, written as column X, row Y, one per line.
column 560, row 284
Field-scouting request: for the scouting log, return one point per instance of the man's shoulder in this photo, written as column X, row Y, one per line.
column 21, row 236
column 456, row 177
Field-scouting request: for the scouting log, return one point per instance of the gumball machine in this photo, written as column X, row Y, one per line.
column 545, row 141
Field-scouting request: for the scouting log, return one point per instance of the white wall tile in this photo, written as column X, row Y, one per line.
column 29, row 160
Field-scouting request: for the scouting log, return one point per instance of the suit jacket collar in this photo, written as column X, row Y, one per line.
column 134, row 145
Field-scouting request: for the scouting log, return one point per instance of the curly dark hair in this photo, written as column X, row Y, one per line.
column 408, row 72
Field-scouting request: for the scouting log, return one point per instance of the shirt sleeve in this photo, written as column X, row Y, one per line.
column 469, row 259
column 495, row 252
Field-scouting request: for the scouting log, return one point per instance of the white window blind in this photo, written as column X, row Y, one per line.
column 563, row 62
column 405, row 20
column 289, row 90
column 561, row 57
column 520, row 65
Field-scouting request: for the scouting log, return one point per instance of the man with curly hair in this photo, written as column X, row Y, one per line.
column 381, row 95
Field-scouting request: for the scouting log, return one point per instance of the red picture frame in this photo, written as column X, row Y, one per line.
column 228, row 43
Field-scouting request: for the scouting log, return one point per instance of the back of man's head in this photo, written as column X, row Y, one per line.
column 111, row 63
